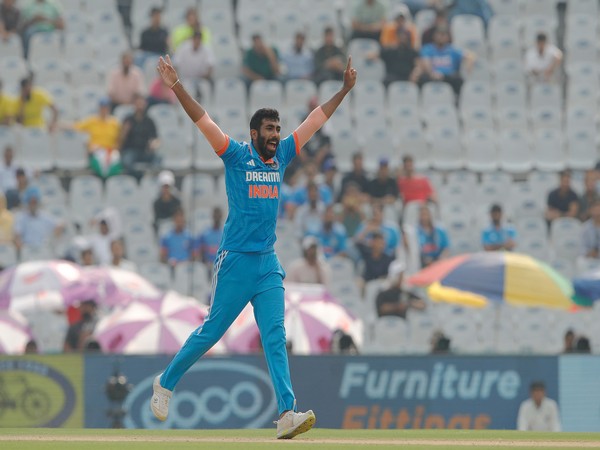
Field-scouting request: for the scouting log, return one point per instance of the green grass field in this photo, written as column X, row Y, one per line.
column 58, row 439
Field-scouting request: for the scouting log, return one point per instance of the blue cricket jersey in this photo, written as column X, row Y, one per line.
column 253, row 189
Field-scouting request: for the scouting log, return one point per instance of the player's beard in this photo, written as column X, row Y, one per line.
column 263, row 150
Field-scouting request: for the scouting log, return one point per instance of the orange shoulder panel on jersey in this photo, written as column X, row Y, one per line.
column 297, row 142
column 224, row 148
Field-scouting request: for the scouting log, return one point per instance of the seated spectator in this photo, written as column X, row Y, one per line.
column 139, row 139
column 591, row 232
column 82, row 330
column 498, row 235
column 117, row 253
column 186, row 30
column 261, row 62
column 538, row 413
column 86, row 258
column 479, row 8
column 10, row 17
column 311, row 268
column 300, row 196
column 330, row 174
column 542, row 60
column 318, row 148
column 30, row 105
column 401, row 61
column 589, row 196
column 7, row 223
column 167, row 203
column 160, row 92
column 376, row 225
column 368, row 20
column 31, row 348
column 178, row 244
column 356, row 176
column 101, row 241
column 569, row 342
column 395, row 300
column 562, row 201
column 441, row 61
column 14, row 197
column 433, row 240
column 40, row 16
column 298, row 60
column 342, row 344
column 33, row 227
column 154, row 40
column 441, row 21
column 8, row 170
column 440, row 343
column 308, row 215
column 383, row 187
column 210, row 239
column 331, row 235
column 583, row 345
column 352, row 214
column 7, row 107
column 103, row 130
column 414, row 187
column 376, row 260
column 396, row 31
column 330, row 60
column 125, row 82
column 194, row 61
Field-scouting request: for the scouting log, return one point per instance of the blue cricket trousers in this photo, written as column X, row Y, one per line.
column 239, row 278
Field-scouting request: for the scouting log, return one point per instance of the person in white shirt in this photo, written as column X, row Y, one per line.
column 542, row 60
column 194, row 61
column 538, row 413
column 116, row 249
column 311, row 268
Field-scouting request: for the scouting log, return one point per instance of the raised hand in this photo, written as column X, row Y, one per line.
column 349, row 75
column 167, row 71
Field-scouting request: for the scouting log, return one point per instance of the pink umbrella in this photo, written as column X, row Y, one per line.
column 14, row 333
column 312, row 315
column 114, row 286
column 43, row 284
column 151, row 327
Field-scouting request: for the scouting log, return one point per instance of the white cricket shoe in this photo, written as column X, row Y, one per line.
column 160, row 400
column 292, row 424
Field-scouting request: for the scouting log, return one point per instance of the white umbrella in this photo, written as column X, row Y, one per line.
column 14, row 333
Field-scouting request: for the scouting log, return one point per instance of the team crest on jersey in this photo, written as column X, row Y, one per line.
column 274, row 165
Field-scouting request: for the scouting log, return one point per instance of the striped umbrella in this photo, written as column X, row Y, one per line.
column 14, row 333
column 117, row 287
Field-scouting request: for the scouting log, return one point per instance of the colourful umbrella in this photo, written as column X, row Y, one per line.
column 151, row 327
column 14, row 333
column 312, row 315
column 479, row 278
column 118, row 287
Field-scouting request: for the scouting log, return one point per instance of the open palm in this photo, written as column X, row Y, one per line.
column 166, row 70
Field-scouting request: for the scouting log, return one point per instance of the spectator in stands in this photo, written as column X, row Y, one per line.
column 440, row 21
column 261, row 62
column 86, row 257
column 542, row 60
column 31, row 348
column 352, row 211
column 34, row 228
column 376, row 260
column 368, row 20
column 582, row 345
column 329, row 59
column 383, row 187
column 401, row 60
column 101, row 241
column 30, row 105
column 440, row 343
column 40, row 16
column 318, row 148
column 311, row 173
column 10, row 16
column 356, row 176
column 395, row 32
column 103, row 130
column 498, row 235
column 308, row 216
column 167, row 203
column 185, row 31
column 589, row 196
column 125, row 82
column 591, row 232
column 194, row 61
column 298, row 60
column 310, row 268
column 562, row 201
column 210, row 239
column 434, row 243
column 376, row 225
column 538, row 413
column 332, row 234
column 569, row 341
column 154, row 40
column 414, row 187
column 329, row 175
column 160, row 92
column 395, row 300
column 7, row 223
column 178, row 244
column 479, row 8
column 117, row 253
column 7, row 107
column 14, row 197
column 441, row 61
column 8, row 170
column 139, row 139
column 80, row 331
column 343, row 344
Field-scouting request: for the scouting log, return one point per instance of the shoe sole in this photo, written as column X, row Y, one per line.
column 302, row 428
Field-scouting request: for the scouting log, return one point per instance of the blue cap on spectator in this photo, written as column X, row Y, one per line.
column 329, row 164
column 31, row 193
column 384, row 161
column 104, row 101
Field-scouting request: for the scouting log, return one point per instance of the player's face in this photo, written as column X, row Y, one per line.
column 268, row 138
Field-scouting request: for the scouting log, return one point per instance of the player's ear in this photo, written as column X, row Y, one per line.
column 253, row 134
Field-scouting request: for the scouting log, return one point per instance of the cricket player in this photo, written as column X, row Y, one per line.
column 246, row 268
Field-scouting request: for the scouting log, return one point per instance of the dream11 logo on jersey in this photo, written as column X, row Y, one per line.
column 213, row 394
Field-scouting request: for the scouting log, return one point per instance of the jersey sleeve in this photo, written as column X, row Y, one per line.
column 289, row 148
column 232, row 152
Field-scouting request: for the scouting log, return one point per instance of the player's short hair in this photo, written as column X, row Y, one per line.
column 263, row 113
column 537, row 386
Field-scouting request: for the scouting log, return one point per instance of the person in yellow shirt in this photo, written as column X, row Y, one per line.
column 7, row 107
column 392, row 30
column 186, row 30
column 103, row 130
column 7, row 222
column 30, row 106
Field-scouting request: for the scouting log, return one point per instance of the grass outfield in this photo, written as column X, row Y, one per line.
column 58, row 439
